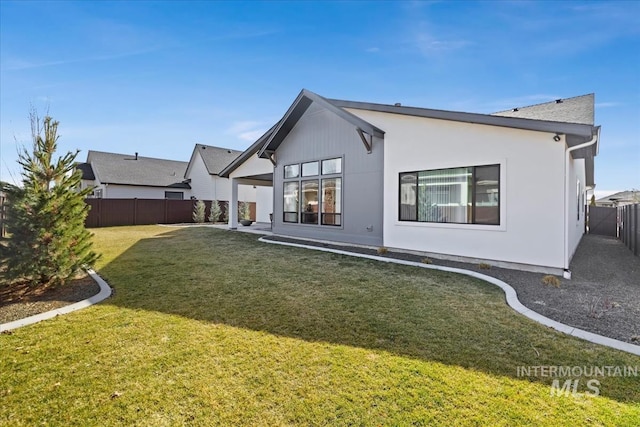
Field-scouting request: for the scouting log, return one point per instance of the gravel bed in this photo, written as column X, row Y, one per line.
column 602, row 297
column 17, row 304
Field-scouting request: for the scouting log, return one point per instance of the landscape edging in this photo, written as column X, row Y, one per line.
column 105, row 292
column 510, row 295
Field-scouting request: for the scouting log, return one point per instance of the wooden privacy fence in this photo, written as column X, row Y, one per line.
column 603, row 221
column 630, row 227
column 112, row 212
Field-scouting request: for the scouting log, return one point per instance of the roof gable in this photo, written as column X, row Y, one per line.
column 296, row 111
column 124, row 169
column 215, row 158
column 87, row 171
column 253, row 149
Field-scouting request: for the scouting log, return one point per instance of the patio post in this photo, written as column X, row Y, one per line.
column 233, row 205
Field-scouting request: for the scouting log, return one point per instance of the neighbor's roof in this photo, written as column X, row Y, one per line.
column 621, row 196
column 215, row 158
column 124, row 169
column 579, row 109
column 87, row 171
column 577, row 133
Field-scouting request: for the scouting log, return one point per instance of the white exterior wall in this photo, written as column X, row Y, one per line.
column 263, row 195
column 531, row 229
column 212, row 187
column 264, row 203
column 116, row 191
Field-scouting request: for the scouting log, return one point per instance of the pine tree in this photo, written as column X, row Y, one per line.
column 199, row 212
column 48, row 243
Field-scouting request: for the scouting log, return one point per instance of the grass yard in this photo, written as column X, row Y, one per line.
column 209, row 327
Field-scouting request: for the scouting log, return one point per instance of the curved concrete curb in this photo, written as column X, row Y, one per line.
column 510, row 293
column 105, row 292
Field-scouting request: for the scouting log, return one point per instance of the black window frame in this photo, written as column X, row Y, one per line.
column 175, row 193
column 473, row 196
column 319, row 178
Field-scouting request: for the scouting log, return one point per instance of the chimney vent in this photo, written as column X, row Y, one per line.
column 136, row 155
column 397, row 104
column 558, row 101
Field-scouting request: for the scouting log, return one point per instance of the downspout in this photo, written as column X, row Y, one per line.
column 567, row 189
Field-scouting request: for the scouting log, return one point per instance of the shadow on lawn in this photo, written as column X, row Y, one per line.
column 231, row 278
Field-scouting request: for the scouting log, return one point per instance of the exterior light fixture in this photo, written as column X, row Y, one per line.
column 556, row 137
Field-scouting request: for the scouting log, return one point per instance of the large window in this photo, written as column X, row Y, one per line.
column 317, row 200
column 469, row 195
column 331, row 201
column 309, row 206
column 291, row 201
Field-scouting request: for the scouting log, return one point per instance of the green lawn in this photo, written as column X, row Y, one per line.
column 210, row 327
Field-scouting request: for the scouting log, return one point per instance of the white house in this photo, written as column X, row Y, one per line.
column 124, row 176
column 203, row 175
column 443, row 183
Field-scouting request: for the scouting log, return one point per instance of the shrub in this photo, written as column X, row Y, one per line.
column 48, row 241
column 484, row 266
column 550, row 280
column 382, row 250
column 244, row 210
column 225, row 213
column 199, row 212
column 426, row 261
column 216, row 211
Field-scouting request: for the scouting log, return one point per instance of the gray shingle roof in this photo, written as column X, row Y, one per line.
column 577, row 132
column 124, row 169
column 622, row 196
column 216, row 158
column 579, row 109
column 87, row 171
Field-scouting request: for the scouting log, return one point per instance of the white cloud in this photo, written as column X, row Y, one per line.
column 247, row 130
column 430, row 45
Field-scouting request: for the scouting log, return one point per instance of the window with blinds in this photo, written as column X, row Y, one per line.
column 467, row 195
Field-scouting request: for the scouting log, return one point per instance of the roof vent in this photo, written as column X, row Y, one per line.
column 558, row 101
column 515, row 109
column 229, row 151
column 136, row 155
column 397, row 104
column 204, row 147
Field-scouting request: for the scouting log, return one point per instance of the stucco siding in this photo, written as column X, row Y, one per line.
column 531, row 227
column 115, row 191
column 202, row 184
column 212, row 187
column 320, row 134
column 264, row 203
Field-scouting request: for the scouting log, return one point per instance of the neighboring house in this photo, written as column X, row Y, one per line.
column 203, row 172
column 621, row 198
column 125, row 176
column 443, row 183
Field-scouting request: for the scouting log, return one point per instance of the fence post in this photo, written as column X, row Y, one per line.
column 100, row 212
column 166, row 215
column 636, row 229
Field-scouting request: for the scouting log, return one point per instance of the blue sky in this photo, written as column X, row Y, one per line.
column 158, row 77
